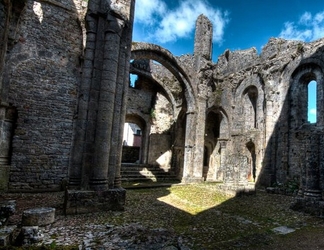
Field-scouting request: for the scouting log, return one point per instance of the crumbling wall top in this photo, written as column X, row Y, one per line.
column 234, row 61
column 203, row 37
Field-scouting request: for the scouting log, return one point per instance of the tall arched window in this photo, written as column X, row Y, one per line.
column 311, row 101
column 250, row 96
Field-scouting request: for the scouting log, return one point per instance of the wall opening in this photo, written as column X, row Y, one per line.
column 311, row 101
column 250, row 104
column 132, row 141
column 251, row 161
column 132, row 80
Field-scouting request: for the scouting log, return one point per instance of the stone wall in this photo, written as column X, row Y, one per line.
column 242, row 120
column 130, row 154
column 42, row 74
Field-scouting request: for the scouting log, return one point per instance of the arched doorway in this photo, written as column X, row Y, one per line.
column 251, row 161
column 216, row 135
column 134, row 139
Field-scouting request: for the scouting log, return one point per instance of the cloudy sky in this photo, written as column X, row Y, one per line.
column 238, row 24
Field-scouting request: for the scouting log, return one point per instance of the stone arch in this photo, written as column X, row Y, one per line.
column 216, row 136
column 164, row 57
column 176, row 104
column 250, row 94
column 300, row 78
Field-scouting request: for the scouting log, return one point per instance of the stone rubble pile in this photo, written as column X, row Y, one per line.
column 7, row 208
column 38, row 229
column 129, row 236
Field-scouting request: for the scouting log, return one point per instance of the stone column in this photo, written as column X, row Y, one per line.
column 105, row 115
column 269, row 172
column 222, row 143
column 189, row 146
column 81, row 142
column 145, row 143
column 200, row 138
column 118, row 120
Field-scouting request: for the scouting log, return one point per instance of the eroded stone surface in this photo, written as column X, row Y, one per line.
column 64, row 72
column 38, row 216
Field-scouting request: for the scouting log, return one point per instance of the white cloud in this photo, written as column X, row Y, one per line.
column 147, row 10
column 308, row 28
column 167, row 25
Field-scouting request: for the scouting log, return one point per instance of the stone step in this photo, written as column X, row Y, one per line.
column 139, row 168
column 145, row 172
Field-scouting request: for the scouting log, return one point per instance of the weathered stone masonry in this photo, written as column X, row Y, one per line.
column 40, row 79
column 253, row 108
column 64, row 74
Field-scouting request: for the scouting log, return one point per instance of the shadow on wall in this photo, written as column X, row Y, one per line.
column 294, row 152
column 41, row 78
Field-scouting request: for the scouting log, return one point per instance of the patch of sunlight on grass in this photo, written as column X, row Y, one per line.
column 194, row 199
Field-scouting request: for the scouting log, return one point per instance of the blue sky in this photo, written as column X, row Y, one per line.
column 238, row 24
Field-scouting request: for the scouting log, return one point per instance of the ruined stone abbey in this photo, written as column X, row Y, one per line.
column 66, row 95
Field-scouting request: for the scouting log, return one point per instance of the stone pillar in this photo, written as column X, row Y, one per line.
column 145, row 143
column 268, row 171
column 120, row 107
column 104, row 125
column 203, row 38
column 96, row 153
column 102, row 109
column 222, row 143
column 82, row 142
column 200, row 138
column 189, row 146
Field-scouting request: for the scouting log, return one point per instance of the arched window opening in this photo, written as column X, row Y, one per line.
column 212, row 161
column 132, row 80
column 311, row 101
column 251, row 106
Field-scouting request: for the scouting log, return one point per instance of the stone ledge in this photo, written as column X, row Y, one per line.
column 80, row 201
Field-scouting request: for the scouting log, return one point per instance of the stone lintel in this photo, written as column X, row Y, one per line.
column 89, row 201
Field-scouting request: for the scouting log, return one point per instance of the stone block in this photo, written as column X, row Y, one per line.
column 38, row 216
column 6, row 235
column 7, row 208
column 29, row 235
column 78, row 202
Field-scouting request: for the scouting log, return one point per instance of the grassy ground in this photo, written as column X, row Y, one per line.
column 215, row 221
column 208, row 219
